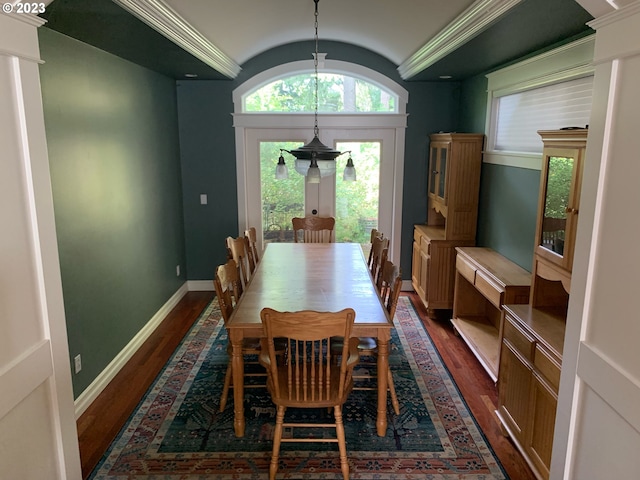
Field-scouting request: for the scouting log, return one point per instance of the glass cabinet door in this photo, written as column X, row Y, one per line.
column 438, row 171
column 559, row 205
column 556, row 203
column 433, row 168
column 442, row 175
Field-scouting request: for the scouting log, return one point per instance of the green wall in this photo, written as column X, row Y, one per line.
column 508, row 195
column 113, row 149
column 508, row 208
column 207, row 145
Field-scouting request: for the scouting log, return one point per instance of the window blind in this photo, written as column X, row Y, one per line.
column 521, row 115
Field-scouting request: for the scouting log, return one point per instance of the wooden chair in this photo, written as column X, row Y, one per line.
column 379, row 252
column 251, row 236
column 238, row 250
column 228, row 289
column 375, row 233
column 306, row 377
column 391, row 284
column 312, row 229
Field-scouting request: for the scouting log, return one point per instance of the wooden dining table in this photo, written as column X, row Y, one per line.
column 310, row 276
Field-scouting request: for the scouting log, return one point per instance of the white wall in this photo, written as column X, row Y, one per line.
column 597, row 433
column 38, row 438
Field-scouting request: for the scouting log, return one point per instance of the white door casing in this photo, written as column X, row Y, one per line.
column 38, row 437
column 597, row 432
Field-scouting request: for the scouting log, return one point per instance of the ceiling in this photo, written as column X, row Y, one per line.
column 427, row 39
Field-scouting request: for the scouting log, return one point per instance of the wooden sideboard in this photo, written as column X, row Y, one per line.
column 531, row 354
column 530, row 365
column 484, row 281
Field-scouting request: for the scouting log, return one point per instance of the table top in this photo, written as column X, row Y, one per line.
column 311, row 276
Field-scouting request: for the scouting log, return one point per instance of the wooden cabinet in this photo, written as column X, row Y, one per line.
column 455, row 161
column 484, row 281
column 558, row 209
column 531, row 357
column 453, row 185
column 433, row 267
column 531, row 360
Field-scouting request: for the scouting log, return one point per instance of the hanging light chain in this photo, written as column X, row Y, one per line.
column 316, row 130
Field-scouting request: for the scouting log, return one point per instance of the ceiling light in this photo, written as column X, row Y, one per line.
column 315, row 159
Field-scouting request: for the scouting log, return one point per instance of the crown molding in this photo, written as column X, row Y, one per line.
column 462, row 29
column 162, row 18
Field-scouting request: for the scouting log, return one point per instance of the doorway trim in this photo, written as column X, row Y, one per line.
column 243, row 122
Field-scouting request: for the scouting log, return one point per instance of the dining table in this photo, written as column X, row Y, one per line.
column 310, row 276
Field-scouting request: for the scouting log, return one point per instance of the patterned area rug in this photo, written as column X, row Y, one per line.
column 177, row 432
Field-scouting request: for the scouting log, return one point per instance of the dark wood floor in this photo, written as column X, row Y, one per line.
column 98, row 426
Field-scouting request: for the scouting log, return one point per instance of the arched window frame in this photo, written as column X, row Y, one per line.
column 291, row 69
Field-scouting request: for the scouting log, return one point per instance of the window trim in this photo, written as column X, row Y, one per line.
column 327, row 66
column 569, row 62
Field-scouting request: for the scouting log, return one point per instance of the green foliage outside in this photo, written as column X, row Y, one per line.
column 356, row 202
column 558, row 184
column 336, row 93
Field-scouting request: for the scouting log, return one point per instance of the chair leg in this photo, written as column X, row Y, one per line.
column 225, row 388
column 342, row 444
column 277, row 436
column 392, row 391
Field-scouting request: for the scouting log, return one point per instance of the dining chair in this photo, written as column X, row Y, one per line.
column 306, row 377
column 379, row 252
column 312, row 229
column 391, row 284
column 238, row 250
column 228, row 289
column 375, row 233
column 251, row 236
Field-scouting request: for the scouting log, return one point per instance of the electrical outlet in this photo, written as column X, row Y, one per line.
column 177, row 270
column 77, row 360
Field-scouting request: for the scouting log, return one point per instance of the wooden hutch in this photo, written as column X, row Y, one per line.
column 533, row 337
column 453, row 180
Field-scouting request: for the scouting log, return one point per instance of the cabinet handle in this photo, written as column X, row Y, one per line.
column 435, row 172
column 571, row 210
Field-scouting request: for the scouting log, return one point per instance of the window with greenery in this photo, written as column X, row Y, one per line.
column 336, row 94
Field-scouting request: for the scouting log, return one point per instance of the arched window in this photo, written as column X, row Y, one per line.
column 355, row 104
column 336, row 93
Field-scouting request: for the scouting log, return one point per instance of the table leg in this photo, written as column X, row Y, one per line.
column 383, row 365
column 237, row 367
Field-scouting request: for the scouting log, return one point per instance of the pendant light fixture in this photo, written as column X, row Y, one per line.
column 315, row 160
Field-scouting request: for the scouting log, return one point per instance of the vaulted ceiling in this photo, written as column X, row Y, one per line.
column 427, row 39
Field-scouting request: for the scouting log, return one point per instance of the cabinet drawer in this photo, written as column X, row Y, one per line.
column 490, row 290
column 522, row 342
column 547, row 366
column 466, row 269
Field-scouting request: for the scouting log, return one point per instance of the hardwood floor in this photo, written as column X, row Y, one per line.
column 476, row 387
column 101, row 422
column 99, row 425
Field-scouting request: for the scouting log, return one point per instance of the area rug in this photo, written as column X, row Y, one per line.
column 177, row 432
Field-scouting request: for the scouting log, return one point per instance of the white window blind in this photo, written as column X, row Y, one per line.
column 521, row 115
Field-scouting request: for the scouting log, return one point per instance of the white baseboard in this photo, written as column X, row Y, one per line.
column 200, row 285
column 98, row 385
